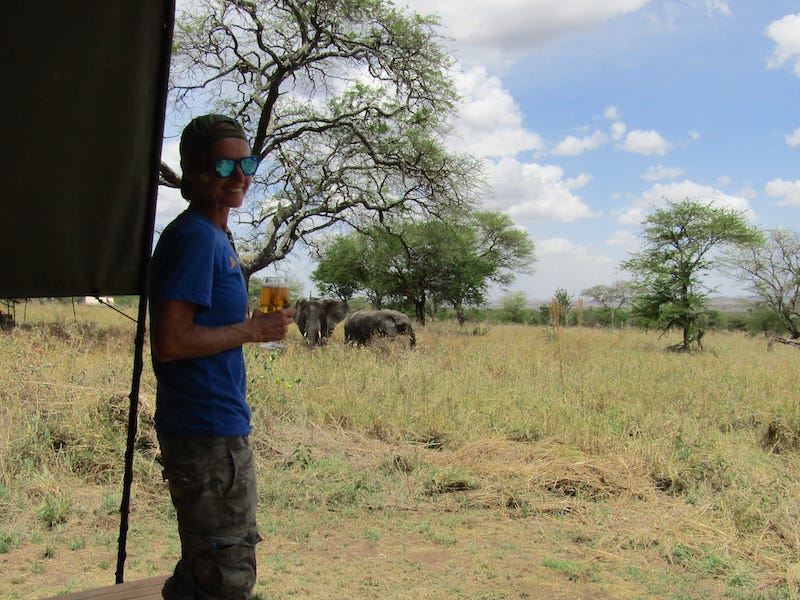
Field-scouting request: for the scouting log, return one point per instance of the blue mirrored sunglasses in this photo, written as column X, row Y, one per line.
column 224, row 167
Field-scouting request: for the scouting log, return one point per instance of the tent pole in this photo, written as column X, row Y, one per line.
column 133, row 421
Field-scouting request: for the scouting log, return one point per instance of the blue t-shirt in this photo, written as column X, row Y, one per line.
column 194, row 262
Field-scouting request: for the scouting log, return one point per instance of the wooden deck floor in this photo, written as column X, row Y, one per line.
column 144, row 589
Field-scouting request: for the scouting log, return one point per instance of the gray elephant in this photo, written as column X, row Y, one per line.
column 365, row 324
column 316, row 318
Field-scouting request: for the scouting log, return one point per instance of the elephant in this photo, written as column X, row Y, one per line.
column 366, row 323
column 316, row 318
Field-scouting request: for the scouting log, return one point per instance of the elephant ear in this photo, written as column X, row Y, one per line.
column 335, row 310
column 300, row 314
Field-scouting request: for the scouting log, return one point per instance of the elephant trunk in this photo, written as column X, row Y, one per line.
column 313, row 336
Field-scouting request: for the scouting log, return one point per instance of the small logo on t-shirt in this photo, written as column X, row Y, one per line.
column 233, row 262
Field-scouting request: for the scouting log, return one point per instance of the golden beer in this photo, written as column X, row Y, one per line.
column 274, row 295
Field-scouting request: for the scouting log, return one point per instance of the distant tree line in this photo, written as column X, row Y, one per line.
column 439, row 270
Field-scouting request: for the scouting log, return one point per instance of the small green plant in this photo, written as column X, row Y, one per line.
column 427, row 531
column 55, row 509
column 443, row 481
column 372, row 535
column 8, row 541
column 574, row 571
column 109, row 505
column 77, row 543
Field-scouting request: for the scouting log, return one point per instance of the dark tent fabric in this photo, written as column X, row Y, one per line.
column 84, row 97
column 84, row 100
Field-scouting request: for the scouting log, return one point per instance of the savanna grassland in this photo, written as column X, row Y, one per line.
column 493, row 461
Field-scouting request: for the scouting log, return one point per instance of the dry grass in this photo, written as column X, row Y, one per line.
column 519, row 462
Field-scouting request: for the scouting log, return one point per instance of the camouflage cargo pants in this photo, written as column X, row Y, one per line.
column 213, row 487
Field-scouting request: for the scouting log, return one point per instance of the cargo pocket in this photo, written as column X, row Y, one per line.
column 227, row 567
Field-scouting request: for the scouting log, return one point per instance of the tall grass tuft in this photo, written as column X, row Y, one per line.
column 557, row 319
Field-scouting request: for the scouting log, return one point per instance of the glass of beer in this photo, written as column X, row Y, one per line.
column 274, row 294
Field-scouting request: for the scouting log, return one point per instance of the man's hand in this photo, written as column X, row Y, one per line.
column 271, row 326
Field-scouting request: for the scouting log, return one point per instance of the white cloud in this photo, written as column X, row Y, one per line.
column 785, row 33
column 793, row 139
column 563, row 264
column 720, row 6
column 748, row 192
column 645, row 142
column 171, row 154
column 529, row 191
column 618, row 130
column 723, row 181
column 575, row 183
column 510, row 28
column 662, row 172
column 658, row 196
column 623, row 239
column 788, row 191
column 574, row 146
column 490, row 121
column 612, row 114
column 169, row 204
column 559, row 246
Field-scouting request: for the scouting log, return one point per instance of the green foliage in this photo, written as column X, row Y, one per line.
column 571, row 569
column 701, row 560
column 761, row 319
column 563, row 300
column 514, row 307
column 343, row 266
column 327, row 481
column 8, row 541
column 678, row 245
column 55, row 508
column 422, row 263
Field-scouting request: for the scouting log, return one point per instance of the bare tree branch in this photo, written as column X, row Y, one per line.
column 347, row 103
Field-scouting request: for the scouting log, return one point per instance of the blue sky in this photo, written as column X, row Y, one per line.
column 589, row 113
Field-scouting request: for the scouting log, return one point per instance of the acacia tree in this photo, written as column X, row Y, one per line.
column 678, row 243
column 490, row 250
column 426, row 263
column 611, row 297
column 346, row 103
column 772, row 271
